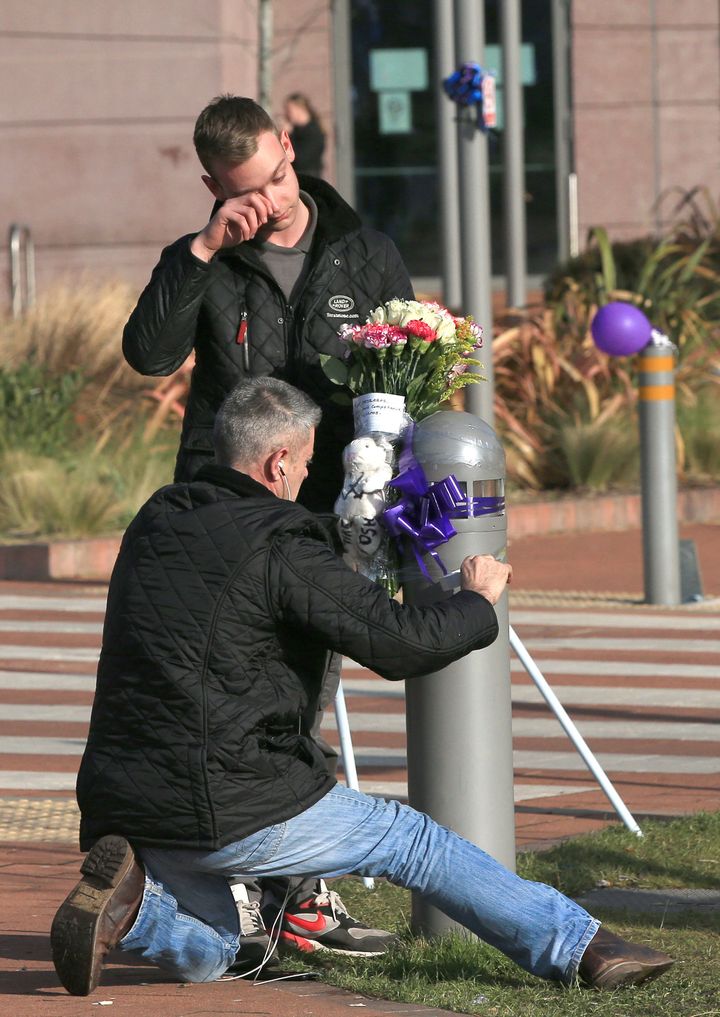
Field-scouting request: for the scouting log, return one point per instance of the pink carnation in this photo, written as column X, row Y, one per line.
column 351, row 333
column 376, row 337
column 396, row 336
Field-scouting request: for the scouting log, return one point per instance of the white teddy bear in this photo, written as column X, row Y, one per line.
column 368, row 468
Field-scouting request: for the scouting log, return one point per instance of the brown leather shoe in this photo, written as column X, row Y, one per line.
column 609, row 962
column 97, row 914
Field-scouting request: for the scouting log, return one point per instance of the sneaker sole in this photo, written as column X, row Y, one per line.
column 73, row 935
column 295, row 943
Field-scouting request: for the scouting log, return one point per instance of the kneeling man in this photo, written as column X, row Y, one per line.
column 200, row 771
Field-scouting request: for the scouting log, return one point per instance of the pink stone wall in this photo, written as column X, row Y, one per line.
column 98, row 100
column 97, row 105
column 646, row 83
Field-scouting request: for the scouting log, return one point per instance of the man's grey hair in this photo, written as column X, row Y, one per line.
column 259, row 416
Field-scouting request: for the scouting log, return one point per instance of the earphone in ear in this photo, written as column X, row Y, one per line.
column 288, row 494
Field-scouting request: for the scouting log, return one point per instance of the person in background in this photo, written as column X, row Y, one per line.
column 306, row 134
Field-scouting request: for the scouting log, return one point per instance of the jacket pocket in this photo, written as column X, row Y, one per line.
column 201, row 800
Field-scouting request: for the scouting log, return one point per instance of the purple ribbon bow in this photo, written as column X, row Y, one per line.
column 423, row 513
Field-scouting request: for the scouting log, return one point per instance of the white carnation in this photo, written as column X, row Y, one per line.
column 445, row 329
column 394, row 310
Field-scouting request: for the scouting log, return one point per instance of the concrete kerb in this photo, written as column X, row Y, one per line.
column 651, row 902
column 92, row 559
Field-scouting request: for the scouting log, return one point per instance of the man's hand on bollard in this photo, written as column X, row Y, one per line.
column 485, row 575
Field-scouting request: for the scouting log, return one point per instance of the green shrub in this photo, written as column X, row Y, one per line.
column 673, row 277
column 84, row 440
column 36, row 408
column 629, row 257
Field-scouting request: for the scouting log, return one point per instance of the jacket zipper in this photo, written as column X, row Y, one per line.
column 288, row 312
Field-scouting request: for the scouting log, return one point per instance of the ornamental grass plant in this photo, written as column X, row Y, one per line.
column 77, row 330
column 84, row 439
column 42, row 496
column 80, row 493
column 566, row 412
column 699, row 435
column 673, row 276
column 556, row 396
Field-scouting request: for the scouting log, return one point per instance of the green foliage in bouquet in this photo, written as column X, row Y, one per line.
column 411, row 348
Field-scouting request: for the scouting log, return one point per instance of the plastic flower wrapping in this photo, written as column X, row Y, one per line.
column 407, row 359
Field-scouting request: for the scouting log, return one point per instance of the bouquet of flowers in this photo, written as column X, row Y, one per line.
column 409, row 348
column 401, row 365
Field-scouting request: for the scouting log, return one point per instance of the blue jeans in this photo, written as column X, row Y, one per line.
column 188, row 922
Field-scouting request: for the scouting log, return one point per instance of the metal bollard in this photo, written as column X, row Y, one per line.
column 459, row 720
column 656, row 391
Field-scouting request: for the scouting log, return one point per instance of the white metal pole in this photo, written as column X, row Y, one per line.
column 342, row 100
column 474, row 194
column 447, row 157
column 348, row 753
column 265, row 43
column 513, row 156
column 573, row 734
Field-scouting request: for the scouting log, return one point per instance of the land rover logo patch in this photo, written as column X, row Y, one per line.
column 340, row 302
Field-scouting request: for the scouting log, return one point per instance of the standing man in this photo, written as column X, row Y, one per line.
column 263, row 288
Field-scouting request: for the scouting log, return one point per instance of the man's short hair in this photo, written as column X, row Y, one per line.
column 259, row 416
column 228, row 129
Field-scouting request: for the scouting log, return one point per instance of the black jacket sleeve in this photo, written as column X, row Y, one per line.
column 313, row 591
column 160, row 333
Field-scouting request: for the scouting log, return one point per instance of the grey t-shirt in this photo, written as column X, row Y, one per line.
column 287, row 263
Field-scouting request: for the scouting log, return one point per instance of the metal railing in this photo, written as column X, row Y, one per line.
column 22, row 269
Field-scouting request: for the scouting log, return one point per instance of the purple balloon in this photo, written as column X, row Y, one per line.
column 620, row 329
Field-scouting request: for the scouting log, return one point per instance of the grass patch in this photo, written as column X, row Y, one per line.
column 679, row 853
column 458, row 973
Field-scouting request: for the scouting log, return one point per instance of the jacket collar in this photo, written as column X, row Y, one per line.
column 232, row 480
column 335, row 216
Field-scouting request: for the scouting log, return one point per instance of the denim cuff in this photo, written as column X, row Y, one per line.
column 571, row 971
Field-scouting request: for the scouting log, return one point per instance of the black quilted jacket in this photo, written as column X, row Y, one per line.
column 222, row 608
column 190, row 304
